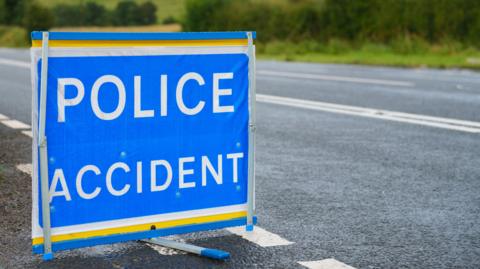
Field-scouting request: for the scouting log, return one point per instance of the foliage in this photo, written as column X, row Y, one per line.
column 37, row 18
column 95, row 14
column 13, row 11
column 126, row 13
column 382, row 21
column 69, row 15
column 169, row 20
column 3, row 12
column 129, row 12
column 147, row 13
column 80, row 15
column 165, row 8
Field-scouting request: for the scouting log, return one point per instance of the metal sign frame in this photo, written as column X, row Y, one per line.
column 40, row 140
column 251, row 134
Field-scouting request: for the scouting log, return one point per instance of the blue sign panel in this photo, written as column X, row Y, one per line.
column 140, row 135
column 135, row 136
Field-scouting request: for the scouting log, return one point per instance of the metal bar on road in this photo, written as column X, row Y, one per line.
column 251, row 134
column 42, row 142
column 206, row 252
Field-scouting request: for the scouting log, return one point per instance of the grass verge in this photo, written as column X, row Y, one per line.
column 13, row 36
column 385, row 59
column 401, row 54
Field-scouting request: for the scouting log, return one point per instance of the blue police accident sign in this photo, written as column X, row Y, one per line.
column 141, row 139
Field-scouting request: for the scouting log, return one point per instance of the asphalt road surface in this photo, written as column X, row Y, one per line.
column 366, row 167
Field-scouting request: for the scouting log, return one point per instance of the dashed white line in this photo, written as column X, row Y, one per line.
column 260, row 236
column 326, row 264
column 438, row 122
column 15, row 124
column 27, row 133
column 15, row 63
column 25, row 167
column 336, row 78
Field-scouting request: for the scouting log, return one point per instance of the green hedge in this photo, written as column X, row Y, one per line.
column 126, row 13
column 352, row 20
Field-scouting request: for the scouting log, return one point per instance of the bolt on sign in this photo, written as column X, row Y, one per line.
column 140, row 135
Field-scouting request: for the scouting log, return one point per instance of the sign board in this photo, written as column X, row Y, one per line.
column 146, row 134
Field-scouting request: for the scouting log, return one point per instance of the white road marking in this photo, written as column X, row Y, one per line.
column 15, row 124
column 25, row 167
column 326, row 264
column 438, row 122
column 15, row 63
column 336, row 78
column 260, row 236
column 27, row 133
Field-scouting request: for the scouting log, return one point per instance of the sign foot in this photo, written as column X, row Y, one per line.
column 48, row 256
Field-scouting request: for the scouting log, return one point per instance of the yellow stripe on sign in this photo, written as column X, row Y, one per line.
column 141, row 43
column 143, row 227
